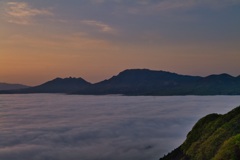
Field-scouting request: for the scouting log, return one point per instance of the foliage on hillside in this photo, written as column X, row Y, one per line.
column 214, row 137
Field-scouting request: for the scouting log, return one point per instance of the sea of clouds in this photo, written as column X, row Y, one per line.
column 73, row 127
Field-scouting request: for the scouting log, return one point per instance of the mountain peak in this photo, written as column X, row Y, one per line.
column 144, row 70
column 59, row 85
column 66, row 80
column 223, row 75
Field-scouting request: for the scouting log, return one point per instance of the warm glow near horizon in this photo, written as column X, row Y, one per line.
column 96, row 39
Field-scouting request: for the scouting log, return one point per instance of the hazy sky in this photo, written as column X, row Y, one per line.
column 95, row 39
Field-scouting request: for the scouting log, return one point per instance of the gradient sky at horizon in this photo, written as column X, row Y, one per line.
column 95, row 39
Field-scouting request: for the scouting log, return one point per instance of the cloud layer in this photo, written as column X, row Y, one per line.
column 102, row 27
column 23, row 13
column 60, row 127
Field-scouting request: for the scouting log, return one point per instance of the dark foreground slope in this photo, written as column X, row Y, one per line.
column 214, row 137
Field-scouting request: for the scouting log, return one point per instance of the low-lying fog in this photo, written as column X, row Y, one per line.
column 72, row 127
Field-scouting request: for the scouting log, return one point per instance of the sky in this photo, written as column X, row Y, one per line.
column 96, row 39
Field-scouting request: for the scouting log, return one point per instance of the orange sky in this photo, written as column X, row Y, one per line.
column 39, row 43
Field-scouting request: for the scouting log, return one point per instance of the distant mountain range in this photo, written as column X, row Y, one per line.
column 58, row 85
column 8, row 86
column 215, row 137
column 142, row 82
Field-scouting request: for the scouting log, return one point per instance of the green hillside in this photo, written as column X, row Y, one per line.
column 214, row 137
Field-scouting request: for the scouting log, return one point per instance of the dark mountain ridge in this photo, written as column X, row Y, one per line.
column 142, row 82
column 8, row 86
column 62, row 85
column 58, row 85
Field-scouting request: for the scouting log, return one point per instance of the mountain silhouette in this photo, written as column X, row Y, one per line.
column 143, row 82
column 58, row 85
column 149, row 82
column 8, row 86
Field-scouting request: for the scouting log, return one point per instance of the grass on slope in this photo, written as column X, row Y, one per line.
column 214, row 137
